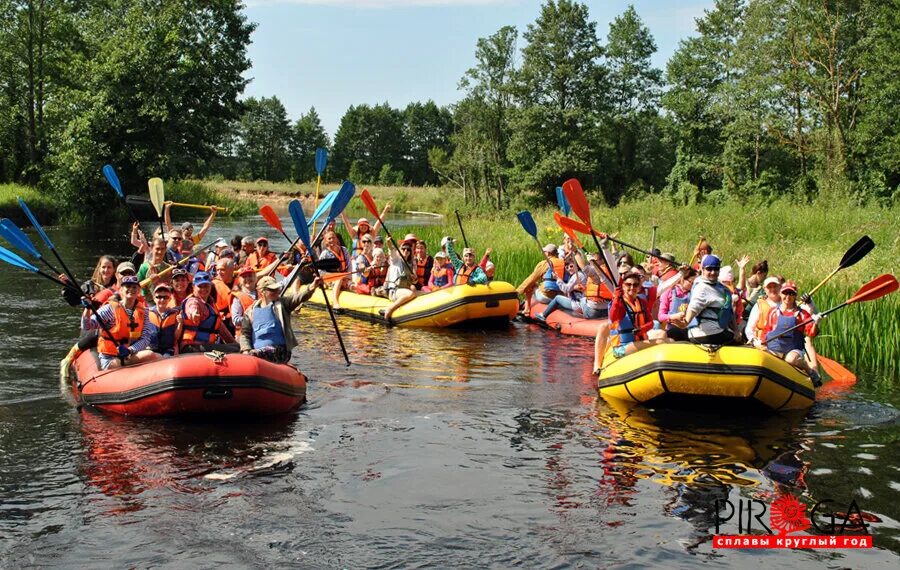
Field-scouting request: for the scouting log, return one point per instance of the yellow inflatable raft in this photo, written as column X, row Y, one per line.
column 495, row 303
column 687, row 375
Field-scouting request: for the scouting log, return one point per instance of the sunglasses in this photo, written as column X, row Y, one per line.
column 404, row 248
column 161, row 295
column 790, row 293
column 630, row 284
column 173, row 238
column 367, row 241
column 711, row 268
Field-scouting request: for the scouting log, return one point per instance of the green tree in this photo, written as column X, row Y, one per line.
column 265, row 137
column 308, row 135
column 426, row 126
column 368, row 138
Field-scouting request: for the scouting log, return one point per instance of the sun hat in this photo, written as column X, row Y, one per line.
column 665, row 256
column 410, row 237
column 202, row 278
column 363, row 221
column 187, row 226
column 378, row 239
column 221, row 243
column 726, row 274
column 468, row 250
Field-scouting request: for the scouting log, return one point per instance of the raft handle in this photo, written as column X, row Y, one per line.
column 492, row 304
column 217, row 393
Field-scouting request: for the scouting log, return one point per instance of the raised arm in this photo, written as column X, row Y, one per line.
column 206, row 225
column 350, row 229
column 167, row 217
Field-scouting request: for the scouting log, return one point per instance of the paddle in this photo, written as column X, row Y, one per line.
column 323, row 207
column 146, row 202
column 583, row 228
column 527, row 222
column 113, row 180
column 562, row 202
column 17, row 261
column 461, row 230
column 575, row 194
column 856, row 252
column 874, row 289
column 183, row 261
column 158, row 198
column 653, row 239
column 272, row 219
column 836, row 370
column 17, row 238
column 46, row 239
column 367, row 199
column 296, row 211
column 569, row 232
column 321, row 163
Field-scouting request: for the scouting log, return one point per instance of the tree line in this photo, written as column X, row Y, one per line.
column 768, row 97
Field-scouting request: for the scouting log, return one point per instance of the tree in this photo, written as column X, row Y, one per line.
column 265, row 136
column 308, row 135
column 426, row 126
column 368, row 138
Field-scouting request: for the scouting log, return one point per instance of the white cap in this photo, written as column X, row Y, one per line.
column 770, row 280
column 550, row 248
column 726, row 274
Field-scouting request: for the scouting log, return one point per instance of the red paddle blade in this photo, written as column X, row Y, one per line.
column 577, row 199
column 271, row 217
column 575, row 225
column 876, row 288
column 369, row 202
column 569, row 231
column 836, row 370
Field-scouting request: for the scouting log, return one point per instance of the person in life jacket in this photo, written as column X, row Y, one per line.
column 362, row 260
column 783, row 317
column 424, row 265
column 181, row 287
column 709, row 317
column 400, row 280
column 221, row 294
column 243, row 297
column 726, row 278
column 755, row 328
column 262, row 257
column 332, row 249
column 630, row 318
column 541, row 286
column 441, row 273
column 124, row 336
column 372, row 277
column 572, row 292
column 675, row 302
column 755, row 290
column 362, row 228
column 466, row 270
column 202, row 327
column 163, row 322
column 187, row 228
column 666, row 268
column 266, row 330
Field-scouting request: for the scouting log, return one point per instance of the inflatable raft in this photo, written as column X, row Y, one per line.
column 460, row 305
column 190, row 384
column 687, row 375
column 565, row 322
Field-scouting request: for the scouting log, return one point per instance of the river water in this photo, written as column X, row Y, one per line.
column 435, row 448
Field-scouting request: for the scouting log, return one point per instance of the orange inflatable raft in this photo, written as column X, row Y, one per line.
column 189, row 384
column 566, row 322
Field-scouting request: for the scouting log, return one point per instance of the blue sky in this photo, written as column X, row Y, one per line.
column 330, row 54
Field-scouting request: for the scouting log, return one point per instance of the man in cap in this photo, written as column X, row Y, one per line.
column 466, row 271
column 163, row 321
column 790, row 347
column 187, row 229
column 202, row 326
column 266, row 330
column 217, row 249
column 244, row 296
column 124, row 337
column 710, row 317
column 262, row 257
column 543, row 280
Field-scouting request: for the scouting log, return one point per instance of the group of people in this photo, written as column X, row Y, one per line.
column 659, row 301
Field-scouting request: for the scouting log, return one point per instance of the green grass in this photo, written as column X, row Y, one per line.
column 197, row 192
column 43, row 206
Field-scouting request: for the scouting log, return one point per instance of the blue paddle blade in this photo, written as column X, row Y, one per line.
column 13, row 259
column 17, row 237
column 35, row 223
column 296, row 211
column 321, row 160
column 324, row 205
column 348, row 189
column 113, row 180
column 562, row 201
column 528, row 223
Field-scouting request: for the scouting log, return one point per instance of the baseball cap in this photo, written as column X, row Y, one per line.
column 202, row 278
column 550, row 248
column 667, row 257
column 771, row 280
column 125, row 266
column 161, row 286
column 410, row 237
column 246, row 270
column 130, row 280
column 468, row 250
column 268, row 282
column 789, row 286
column 378, row 239
column 221, row 243
column 179, row 272
column 710, row 261
column 262, row 239
column 440, row 254
column 726, row 274
column 187, row 226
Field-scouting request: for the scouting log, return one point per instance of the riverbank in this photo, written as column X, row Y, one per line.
column 44, row 207
column 804, row 242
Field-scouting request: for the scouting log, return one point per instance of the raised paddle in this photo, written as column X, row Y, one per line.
column 527, row 221
column 158, row 198
column 562, row 202
column 856, row 252
column 17, row 238
column 575, row 195
column 584, row 229
column 15, row 260
column 323, row 207
column 273, row 220
column 461, row 230
column 113, row 179
column 46, row 239
column 367, row 199
column 568, row 231
column 144, row 201
column 653, row 239
column 874, row 289
column 321, row 163
column 296, row 211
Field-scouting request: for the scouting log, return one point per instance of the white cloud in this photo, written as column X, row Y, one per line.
column 381, row 3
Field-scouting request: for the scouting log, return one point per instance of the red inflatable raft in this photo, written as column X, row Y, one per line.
column 567, row 323
column 190, row 384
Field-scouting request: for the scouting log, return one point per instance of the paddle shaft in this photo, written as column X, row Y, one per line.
column 394, row 242
column 199, row 207
column 461, row 230
column 653, row 239
column 316, row 207
column 172, row 267
column 801, row 324
column 337, row 331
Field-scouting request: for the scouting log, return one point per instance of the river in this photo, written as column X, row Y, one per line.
column 435, row 448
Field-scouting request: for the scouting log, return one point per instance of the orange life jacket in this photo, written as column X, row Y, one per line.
column 765, row 307
column 420, row 271
column 196, row 331
column 256, row 263
column 439, row 275
column 125, row 330
column 462, row 276
column 166, row 324
column 376, row 277
column 245, row 299
column 599, row 292
column 633, row 326
column 339, row 255
column 223, row 298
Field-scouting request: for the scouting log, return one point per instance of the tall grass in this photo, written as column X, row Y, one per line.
column 43, row 206
column 197, row 192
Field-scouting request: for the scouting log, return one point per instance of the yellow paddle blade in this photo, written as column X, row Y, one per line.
column 157, row 194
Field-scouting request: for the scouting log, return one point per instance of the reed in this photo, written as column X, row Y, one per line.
column 43, row 206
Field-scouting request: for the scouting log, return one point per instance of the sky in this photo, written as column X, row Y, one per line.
column 331, row 54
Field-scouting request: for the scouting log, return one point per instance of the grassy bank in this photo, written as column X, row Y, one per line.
column 194, row 192
column 801, row 242
column 44, row 208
